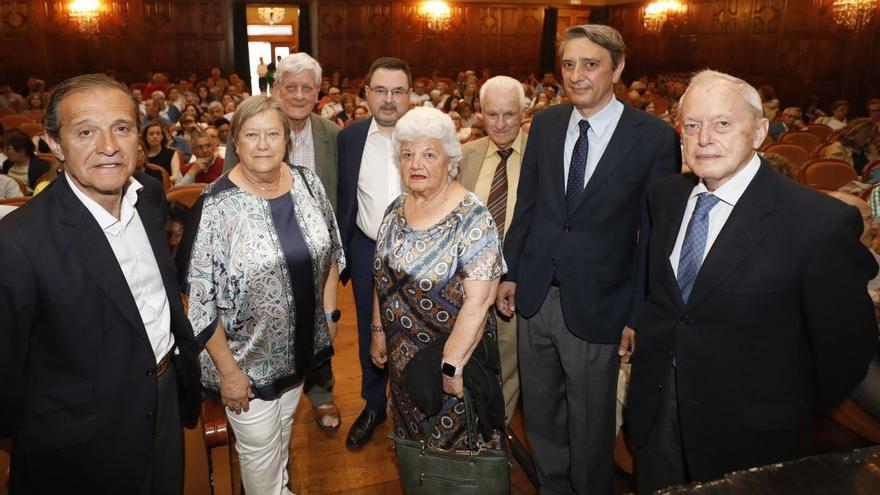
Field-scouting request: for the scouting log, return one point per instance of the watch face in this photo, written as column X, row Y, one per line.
column 337, row 314
column 448, row 370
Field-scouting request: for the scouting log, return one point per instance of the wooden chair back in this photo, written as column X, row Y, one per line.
column 34, row 115
column 31, row 128
column 850, row 415
column 7, row 111
column 804, row 139
column 15, row 201
column 796, row 155
column 166, row 178
column 827, row 173
column 14, row 121
column 186, row 195
column 822, row 131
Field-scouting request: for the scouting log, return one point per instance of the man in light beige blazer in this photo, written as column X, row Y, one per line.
column 502, row 101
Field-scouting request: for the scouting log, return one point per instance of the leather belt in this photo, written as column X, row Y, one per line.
column 163, row 363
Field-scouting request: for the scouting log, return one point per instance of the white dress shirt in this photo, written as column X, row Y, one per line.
column 302, row 147
column 378, row 181
column 602, row 126
column 729, row 193
column 129, row 242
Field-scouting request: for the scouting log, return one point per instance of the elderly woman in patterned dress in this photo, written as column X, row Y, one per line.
column 437, row 267
column 262, row 278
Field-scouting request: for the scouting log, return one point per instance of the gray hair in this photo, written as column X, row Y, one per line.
column 253, row 106
column 710, row 77
column 605, row 36
column 428, row 123
column 504, row 83
column 86, row 82
column 215, row 104
column 296, row 63
column 158, row 94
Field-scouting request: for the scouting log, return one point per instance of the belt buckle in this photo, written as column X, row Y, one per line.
column 163, row 363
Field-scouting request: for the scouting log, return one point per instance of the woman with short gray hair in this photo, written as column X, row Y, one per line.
column 437, row 266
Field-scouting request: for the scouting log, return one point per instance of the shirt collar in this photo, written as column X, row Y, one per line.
column 600, row 122
column 515, row 145
column 374, row 129
column 103, row 217
column 302, row 133
column 733, row 189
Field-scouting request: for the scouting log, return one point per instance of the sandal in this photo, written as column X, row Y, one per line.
column 327, row 410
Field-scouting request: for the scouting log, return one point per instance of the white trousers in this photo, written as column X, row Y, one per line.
column 262, row 439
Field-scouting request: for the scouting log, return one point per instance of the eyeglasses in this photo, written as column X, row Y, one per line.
column 383, row 92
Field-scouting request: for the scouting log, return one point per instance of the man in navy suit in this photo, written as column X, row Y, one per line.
column 368, row 182
column 576, row 258
column 97, row 358
column 757, row 315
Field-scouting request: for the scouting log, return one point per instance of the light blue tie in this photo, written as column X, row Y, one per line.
column 694, row 244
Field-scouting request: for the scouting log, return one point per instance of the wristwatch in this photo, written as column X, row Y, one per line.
column 450, row 370
column 333, row 316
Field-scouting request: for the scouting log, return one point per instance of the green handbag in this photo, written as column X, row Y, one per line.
column 425, row 471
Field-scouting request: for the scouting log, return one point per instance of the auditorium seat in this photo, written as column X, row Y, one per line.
column 14, row 121
column 804, row 139
column 187, row 194
column 795, row 154
column 821, row 130
column 31, row 128
column 166, row 179
column 827, row 173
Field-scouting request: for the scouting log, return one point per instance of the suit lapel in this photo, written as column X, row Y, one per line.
column 90, row 246
column 624, row 139
column 321, row 142
column 556, row 152
column 743, row 230
column 674, row 205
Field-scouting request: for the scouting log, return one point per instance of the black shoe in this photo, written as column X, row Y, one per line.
column 362, row 429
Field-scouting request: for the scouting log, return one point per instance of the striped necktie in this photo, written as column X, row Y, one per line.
column 498, row 194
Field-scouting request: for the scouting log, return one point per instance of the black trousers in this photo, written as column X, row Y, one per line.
column 660, row 462
column 165, row 470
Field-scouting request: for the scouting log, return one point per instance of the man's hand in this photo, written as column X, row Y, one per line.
column 235, row 391
column 627, row 344
column 504, row 301
column 378, row 349
column 203, row 164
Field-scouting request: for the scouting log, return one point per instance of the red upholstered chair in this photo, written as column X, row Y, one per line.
column 34, row 115
column 796, row 155
column 820, row 130
column 7, row 111
column 31, row 128
column 15, row 201
column 187, row 194
column 827, row 173
column 166, row 178
column 804, row 139
column 14, row 121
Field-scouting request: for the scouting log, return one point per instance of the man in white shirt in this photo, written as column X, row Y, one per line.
column 368, row 182
column 757, row 316
column 262, row 70
column 96, row 354
column 333, row 106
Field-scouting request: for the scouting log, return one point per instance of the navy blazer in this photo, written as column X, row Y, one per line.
column 76, row 363
column 351, row 142
column 778, row 326
column 599, row 250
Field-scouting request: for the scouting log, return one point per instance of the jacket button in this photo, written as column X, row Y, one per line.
column 566, row 228
column 685, row 320
column 150, row 372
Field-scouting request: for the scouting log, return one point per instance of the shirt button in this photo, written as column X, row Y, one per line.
column 566, row 228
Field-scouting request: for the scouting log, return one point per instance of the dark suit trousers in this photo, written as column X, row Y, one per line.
column 165, row 471
column 569, row 391
column 373, row 380
column 660, row 462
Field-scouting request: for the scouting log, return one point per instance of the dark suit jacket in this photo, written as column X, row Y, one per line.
column 778, row 326
column 351, row 141
column 599, row 250
column 76, row 364
column 324, row 135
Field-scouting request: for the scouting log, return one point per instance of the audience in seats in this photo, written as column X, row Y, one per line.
column 837, row 119
column 21, row 162
column 333, row 105
column 155, row 136
column 792, row 120
column 207, row 166
column 855, row 144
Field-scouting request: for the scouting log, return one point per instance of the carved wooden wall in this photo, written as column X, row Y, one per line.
column 792, row 44
column 135, row 36
column 504, row 38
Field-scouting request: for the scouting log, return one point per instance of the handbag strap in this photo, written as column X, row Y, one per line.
column 470, row 421
column 305, row 182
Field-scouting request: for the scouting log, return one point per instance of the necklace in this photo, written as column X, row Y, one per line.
column 261, row 188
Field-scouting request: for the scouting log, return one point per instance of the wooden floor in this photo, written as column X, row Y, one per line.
column 320, row 462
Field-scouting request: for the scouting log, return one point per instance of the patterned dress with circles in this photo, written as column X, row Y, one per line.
column 419, row 277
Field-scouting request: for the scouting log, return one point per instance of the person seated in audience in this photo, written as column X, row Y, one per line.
column 867, row 394
column 21, row 162
column 174, row 225
column 217, row 78
column 837, row 119
column 810, row 109
column 228, row 109
column 549, row 80
column 222, row 125
column 34, row 103
column 419, row 94
column 215, row 111
column 158, row 151
column 344, row 115
column 462, row 132
column 192, row 110
column 792, row 120
column 166, row 110
column 778, row 163
column 467, row 114
column 204, row 94
column 648, row 106
column 158, row 82
column 333, row 105
column 151, row 113
column 769, row 101
column 873, row 107
column 325, row 88
column 220, row 148
column 176, row 98
column 361, row 112
column 207, row 166
column 9, row 188
column 10, row 99
column 854, row 145
column 140, row 164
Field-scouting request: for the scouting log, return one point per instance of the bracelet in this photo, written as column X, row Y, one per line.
column 376, row 328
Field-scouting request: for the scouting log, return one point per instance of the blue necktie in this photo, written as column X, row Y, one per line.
column 577, row 169
column 694, row 244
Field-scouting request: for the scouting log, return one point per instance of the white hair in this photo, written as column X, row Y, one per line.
column 157, row 93
column 504, row 83
column 710, row 78
column 296, row 63
column 428, row 123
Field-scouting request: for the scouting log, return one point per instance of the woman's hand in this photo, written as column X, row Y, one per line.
column 235, row 390
column 454, row 386
column 378, row 349
column 333, row 327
